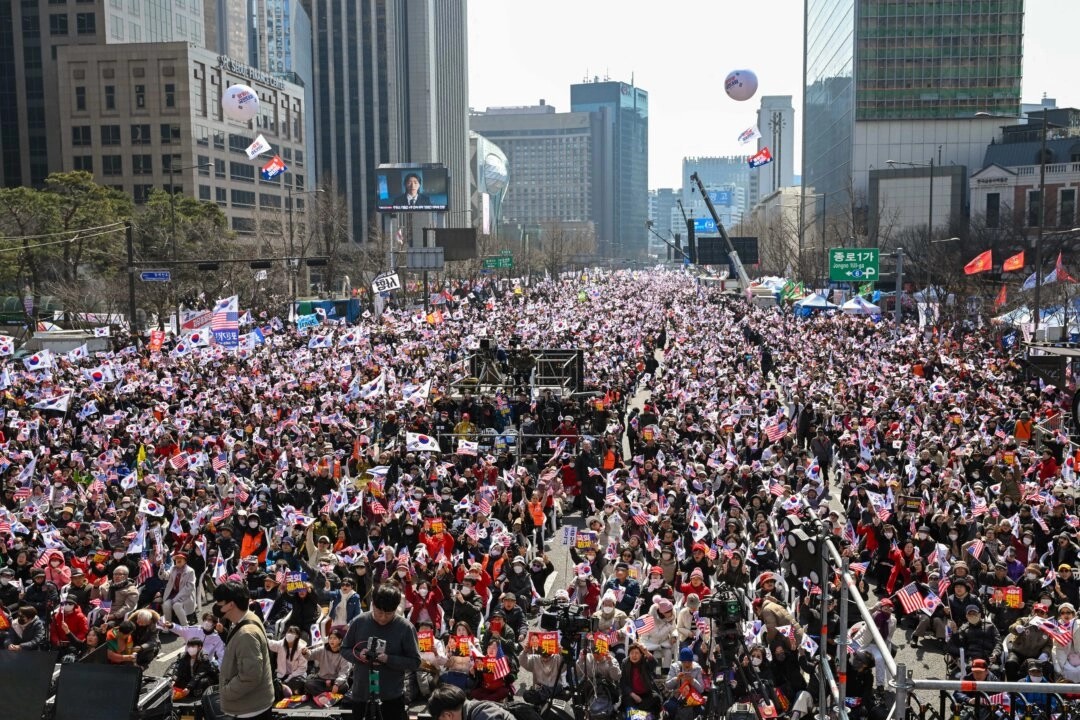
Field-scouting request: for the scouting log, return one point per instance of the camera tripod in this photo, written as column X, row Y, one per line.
column 728, row 641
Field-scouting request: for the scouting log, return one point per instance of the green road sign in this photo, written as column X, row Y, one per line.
column 501, row 262
column 853, row 264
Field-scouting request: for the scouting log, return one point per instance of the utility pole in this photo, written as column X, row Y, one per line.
column 129, row 233
column 899, row 283
column 1042, row 222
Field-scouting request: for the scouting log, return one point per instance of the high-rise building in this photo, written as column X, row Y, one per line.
column 391, row 86
column 554, row 160
column 665, row 217
column 146, row 116
column 889, row 80
column 727, row 179
column 776, row 122
column 31, row 34
column 624, row 109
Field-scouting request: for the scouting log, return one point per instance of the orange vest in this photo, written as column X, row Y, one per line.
column 536, row 511
column 609, row 460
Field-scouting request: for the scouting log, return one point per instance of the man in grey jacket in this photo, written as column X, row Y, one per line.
column 247, row 681
column 382, row 646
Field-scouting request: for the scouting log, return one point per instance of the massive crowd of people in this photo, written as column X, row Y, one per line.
column 327, row 463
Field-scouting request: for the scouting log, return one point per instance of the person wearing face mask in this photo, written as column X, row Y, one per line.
column 540, row 569
column 466, row 605
column 514, row 616
column 41, row 594
column 56, row 570
column 207, row 632
column 247, row 681
column 425, row 600
column 290, row 660
column 195, row 672
column 68, row 627
column 1036, row 675
column 660, row 639
column 518, row 581
column 610, row 618
column 286, row 551
column 655, row 587
column 27, row 632
column 178, row 597
column 305, row 608
column 9, row 589
column 584, row 590
column 253, row 541
column 319, row 551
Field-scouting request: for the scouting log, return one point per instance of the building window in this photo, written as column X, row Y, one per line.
column 219, row 139
column 170, row 95
column 140, row 135
column 244, row 226
column 204, row 193
column 221, row 196
column 219, row 168
column 141, row 193
column 242, row 171
column 269, row 200
column 140, row 96
column 58, row 24
column 168, row 162
column 83, row 162
column 170, row 133
column 1034, row 203
column 80, row 98
column 993, row 210
column 112, row 165
column 1067, row 207
column 86, row 23
column 204, row 160
column 202, row 135
column 110, row 134
column 81, row 136
column 110, row 97
column 142, row 164
column 243, row 198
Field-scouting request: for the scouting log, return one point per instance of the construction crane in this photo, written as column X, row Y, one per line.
column 740, row 272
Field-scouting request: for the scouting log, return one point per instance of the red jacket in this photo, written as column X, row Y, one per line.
column 434, row 543
column 432, row 603
column 76, row 623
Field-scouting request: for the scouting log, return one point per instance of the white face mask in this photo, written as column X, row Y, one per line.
column 1032, row 576
column 518, row 569
column 756, row 662
column 208, row 626
column 290, row 637
column 118, row 555
column 422, row 592
column 609, row 610
column 953, row 536
column 466, row 591
column 193, row 650
column 253, row 523
column 1028, row 541
column 888, row 535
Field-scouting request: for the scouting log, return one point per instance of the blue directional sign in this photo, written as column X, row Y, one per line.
column 704, row 225
column 155, row 276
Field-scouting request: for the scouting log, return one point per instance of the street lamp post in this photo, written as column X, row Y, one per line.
column 172, row 224
column 294, row 262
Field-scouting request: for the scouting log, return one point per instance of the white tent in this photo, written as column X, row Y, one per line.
column 816, row 302
column 860, row 306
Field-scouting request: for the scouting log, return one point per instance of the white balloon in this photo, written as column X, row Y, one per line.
column 740, row 84
column 239, row 102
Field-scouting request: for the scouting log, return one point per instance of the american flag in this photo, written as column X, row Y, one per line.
column 977, row 548
column 23, row 492
column 776, row 489
column 910, row 597
column 858, row 567
column 1062, row 635
column 644, row 624
column 849, row 533
column 377, row 507
column 145, row 570
column 1001, row 700
column 483, row 507
column 97, row 486
column 179, row 461
column 776, row 431
column 242, row 493
column 5, row 527
column 999, row 433
column 220, row 462
column 943, row 586
column 638, row 516
column 500, row 666
column 883, row 513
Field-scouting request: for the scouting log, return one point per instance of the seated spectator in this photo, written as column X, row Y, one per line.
column 195, row 672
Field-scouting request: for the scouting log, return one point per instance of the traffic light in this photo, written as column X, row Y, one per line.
column 316, row 262
column 261, row 264
column 206, row 266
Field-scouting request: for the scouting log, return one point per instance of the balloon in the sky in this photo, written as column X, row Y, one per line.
column 239, row 102
column 740, row 84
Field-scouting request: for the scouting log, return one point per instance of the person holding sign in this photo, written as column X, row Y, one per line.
column 544, row 665
column 685, row 683
column 433, row 657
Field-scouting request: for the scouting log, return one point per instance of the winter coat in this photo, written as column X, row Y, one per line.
column 286, row 666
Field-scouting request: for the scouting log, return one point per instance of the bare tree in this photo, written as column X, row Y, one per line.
column 560, row 243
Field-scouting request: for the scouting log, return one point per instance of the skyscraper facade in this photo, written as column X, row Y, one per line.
column 625, row 112
column 776, row 121
column 551, row 158
column 390, row 86
column 922, row 67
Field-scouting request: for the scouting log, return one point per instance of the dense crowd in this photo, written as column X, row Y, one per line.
column 322, row 464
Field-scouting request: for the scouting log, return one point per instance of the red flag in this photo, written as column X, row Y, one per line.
column 1016, row 262
column 1060, row 274
column 1000, row 299
column 982, row 262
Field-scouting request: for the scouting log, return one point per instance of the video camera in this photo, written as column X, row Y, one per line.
column 567, row 618
column 724, row 606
